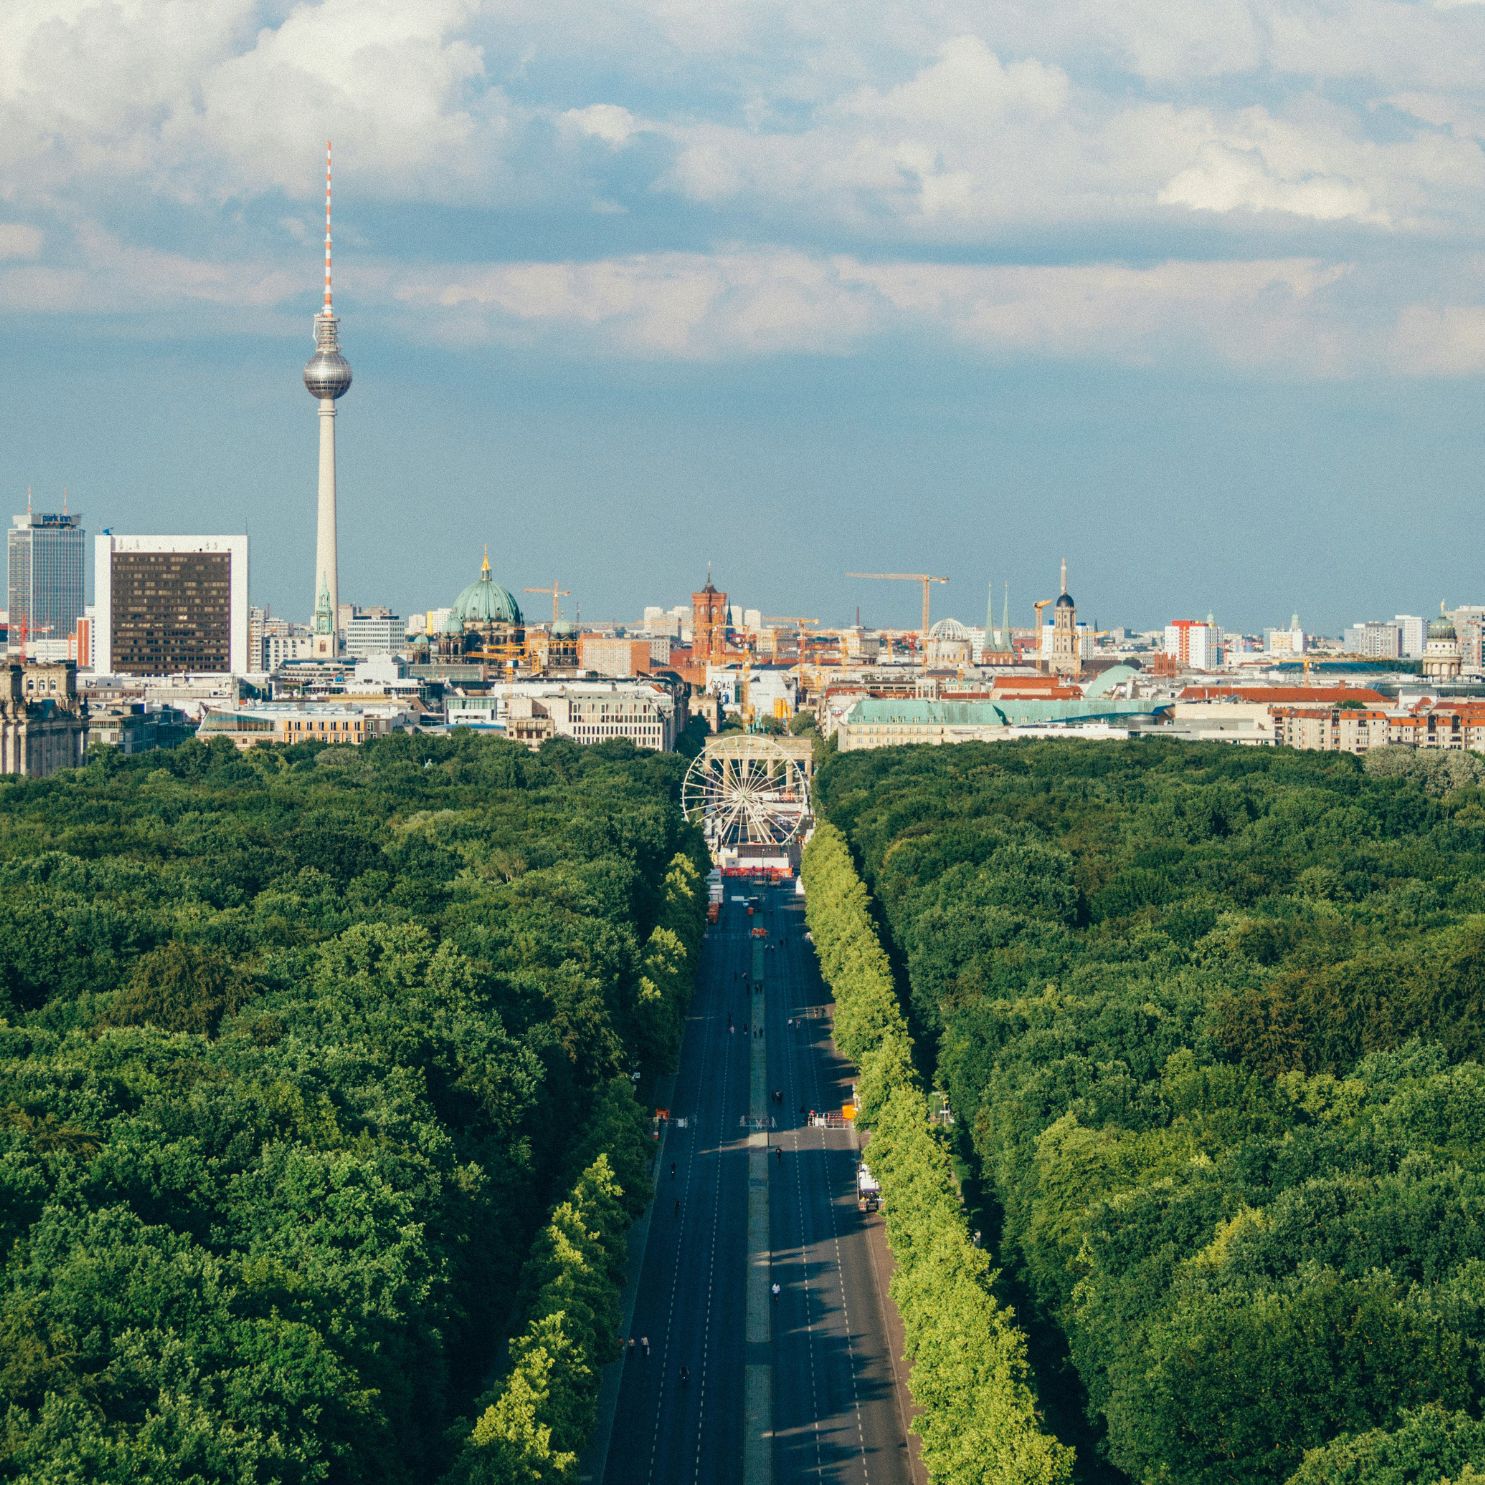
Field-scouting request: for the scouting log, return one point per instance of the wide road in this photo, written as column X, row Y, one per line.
column 835, row 1413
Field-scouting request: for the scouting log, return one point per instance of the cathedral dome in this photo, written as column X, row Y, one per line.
column 1442, row 628
column 484, row 601
column 1065, row 601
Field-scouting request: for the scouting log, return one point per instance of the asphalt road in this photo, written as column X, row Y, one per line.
column 836, row 1417
column 836, row 1414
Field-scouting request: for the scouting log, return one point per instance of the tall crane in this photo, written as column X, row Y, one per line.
column 927, row 579
column 1039, row 605
column 556, row 595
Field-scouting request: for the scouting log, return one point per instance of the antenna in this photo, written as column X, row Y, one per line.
column 1064, row 574
column 328, row 310
column 28, row 500
column 64, row 500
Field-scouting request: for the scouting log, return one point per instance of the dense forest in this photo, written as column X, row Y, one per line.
column 1212, row 1022
column 316, row 1113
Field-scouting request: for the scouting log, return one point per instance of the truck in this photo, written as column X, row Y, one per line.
column 714, row 895
column 868, row 1189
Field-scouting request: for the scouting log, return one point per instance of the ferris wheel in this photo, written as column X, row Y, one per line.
column 746, row 791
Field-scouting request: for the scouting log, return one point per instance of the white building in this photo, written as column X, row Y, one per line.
column 1194, row 643
column 1286, row 644
column 380, row 633
column 1376, row 639
column 646, row 713
column 167, row 605
column 1412, row 627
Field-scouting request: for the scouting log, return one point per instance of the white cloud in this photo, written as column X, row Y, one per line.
column 1227, row 177
column 605, row 121
column 1439, row 340
column 1271, row 313
column 19, row 240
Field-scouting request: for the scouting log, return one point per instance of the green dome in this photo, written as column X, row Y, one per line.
column 484, row 601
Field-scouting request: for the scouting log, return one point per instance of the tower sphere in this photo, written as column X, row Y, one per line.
column 328, row 373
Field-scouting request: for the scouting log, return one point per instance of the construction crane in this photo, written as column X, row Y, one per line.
column 29, row 629
column 795, row 621
column 1039, row 605
column 557, row 594
column 927, row 579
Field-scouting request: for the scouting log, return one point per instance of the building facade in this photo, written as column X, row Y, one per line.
column 647, row 713
column 607, row 654
column 375, row 632
column 708, row 624
column 1441, row 658
column 170, row 605
column 297, row 722
column 44, row 580
column 43, row 722
column 137, row 726
column 1067, row 646
column 1195, row 644
column 1375, row 639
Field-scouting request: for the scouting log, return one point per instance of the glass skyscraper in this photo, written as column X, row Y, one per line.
column 45, row 553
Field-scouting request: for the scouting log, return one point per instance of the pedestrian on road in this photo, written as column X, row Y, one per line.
column 644, row 1341
column 779, row 1151
column 672, row 1170
column 685, row 1375
column 745, row 1028
column 678, row 1206
column 631, row 1348
column 776, row 1292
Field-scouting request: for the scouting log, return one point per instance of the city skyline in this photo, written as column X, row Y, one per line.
column 1073, row 299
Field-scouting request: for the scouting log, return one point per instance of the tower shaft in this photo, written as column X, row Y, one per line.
column 326, row 378
column 327, row 565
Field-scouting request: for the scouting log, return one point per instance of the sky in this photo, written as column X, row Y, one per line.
column 1193, row 295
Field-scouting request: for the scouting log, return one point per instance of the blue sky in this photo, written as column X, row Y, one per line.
column 1192, row 294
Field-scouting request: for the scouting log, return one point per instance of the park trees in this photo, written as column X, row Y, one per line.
column 300, row 1054
column 1210, row 1022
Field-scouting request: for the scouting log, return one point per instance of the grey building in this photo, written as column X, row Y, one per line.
column 44, row 578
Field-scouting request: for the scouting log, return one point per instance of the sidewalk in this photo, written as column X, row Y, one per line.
column 881, row 1263
column 594, row 1459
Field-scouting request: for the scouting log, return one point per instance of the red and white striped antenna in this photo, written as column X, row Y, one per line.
column 327, row 228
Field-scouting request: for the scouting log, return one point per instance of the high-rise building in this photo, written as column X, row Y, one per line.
column 1376, row 639
column 1194, row 643
column 1412, row 627
column 170, row 605
column 327, row 378
column 376, row 631
column 45, row 580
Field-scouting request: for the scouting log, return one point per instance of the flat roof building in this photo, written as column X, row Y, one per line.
column 170, row 604
column 44, row 580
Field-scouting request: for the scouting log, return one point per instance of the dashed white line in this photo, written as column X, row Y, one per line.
column 814, row 1067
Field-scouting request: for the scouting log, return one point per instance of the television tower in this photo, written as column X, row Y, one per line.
column 327, row 377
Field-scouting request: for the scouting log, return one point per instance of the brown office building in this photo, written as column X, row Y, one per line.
column 171, row 605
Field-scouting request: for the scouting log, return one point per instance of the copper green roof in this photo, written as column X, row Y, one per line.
column 484, row 601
